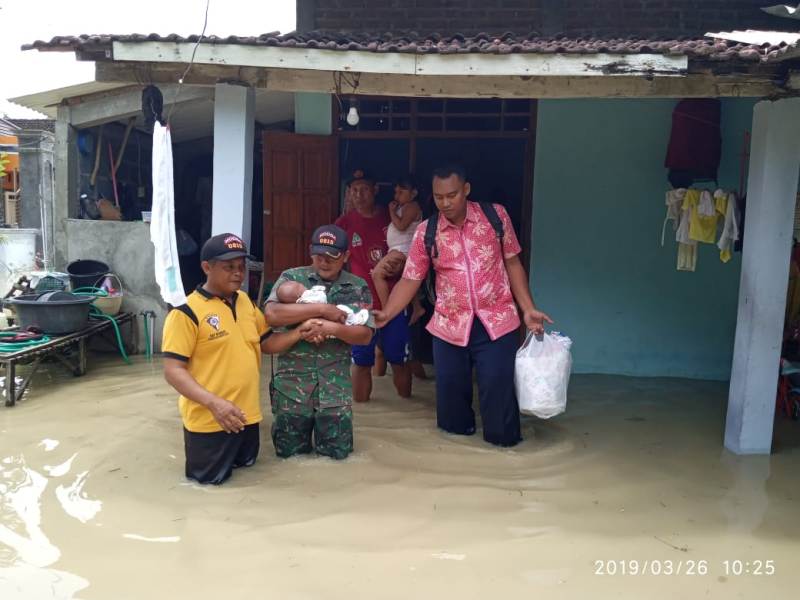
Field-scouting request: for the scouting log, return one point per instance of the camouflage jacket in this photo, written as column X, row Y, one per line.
column 320, row 375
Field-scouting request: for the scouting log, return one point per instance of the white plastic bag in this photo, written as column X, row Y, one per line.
column 542, row 373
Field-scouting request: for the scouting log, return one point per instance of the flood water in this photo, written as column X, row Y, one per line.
column 94, row 505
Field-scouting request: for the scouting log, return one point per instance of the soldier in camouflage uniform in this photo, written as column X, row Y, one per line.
column 311, row 389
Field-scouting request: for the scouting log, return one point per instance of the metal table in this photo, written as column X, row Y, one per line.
column 59, row 348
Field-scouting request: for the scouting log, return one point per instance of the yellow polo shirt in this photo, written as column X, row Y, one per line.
column 221, row 344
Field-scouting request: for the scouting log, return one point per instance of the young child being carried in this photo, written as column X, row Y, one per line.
column 294, row 292
column 406, row 215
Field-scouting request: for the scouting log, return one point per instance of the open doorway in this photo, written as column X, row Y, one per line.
column 492, row 138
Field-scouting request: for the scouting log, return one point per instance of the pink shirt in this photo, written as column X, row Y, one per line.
column 471, row 277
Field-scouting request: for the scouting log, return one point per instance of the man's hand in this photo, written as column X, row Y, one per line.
column 535, row 320
column 328, row 329
column 331, row 313
column 310, row 331
column 228, row 415
column 380, row 318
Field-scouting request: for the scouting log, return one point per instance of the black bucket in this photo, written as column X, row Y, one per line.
column 86, row 273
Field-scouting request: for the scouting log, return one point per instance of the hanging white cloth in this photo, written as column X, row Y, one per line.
column 706, row 208
column 162, row 226
column 730, row 230
column 687, row 247
column 674, row 201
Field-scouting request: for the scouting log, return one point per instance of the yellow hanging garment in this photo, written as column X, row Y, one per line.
column 702, row 227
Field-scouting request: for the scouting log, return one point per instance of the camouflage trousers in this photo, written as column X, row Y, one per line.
column 294, row 424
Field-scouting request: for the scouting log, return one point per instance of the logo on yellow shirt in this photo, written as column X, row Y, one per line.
column 214, row 321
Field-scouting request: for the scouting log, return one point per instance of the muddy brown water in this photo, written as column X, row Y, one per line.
column 93, row 503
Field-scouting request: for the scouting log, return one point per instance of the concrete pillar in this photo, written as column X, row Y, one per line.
column 65, row 202
column 771, row 197
column 234, row 124
column 37, row 174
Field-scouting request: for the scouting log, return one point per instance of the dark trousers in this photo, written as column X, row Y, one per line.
column 212, row 457
column 494, row 363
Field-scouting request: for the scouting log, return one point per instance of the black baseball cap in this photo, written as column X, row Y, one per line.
column 359, row 175
column 225, row 246
column 329, row 240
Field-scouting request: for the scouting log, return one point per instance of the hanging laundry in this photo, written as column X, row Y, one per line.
column 706, row 207
column 702, row 227
column 687, row 247
column 695, row 143
column 721, row 201
column 687, row 257
column 696, row 215
column 674, row 201
column 162, row 226
column 730, row 228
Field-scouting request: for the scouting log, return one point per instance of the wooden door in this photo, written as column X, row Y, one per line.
column 300, row 194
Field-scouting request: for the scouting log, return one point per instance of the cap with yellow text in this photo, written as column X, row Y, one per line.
column 329, row 240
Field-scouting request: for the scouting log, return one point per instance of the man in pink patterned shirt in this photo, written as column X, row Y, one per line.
column 475, row 320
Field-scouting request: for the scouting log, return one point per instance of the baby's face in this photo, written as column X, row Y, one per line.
column 290, row 291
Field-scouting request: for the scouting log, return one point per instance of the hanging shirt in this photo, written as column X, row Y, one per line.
column 702, row 227
column 695, row 142
column 471, row 276
column 730, row 230
column 674, row 201
column 687, row 247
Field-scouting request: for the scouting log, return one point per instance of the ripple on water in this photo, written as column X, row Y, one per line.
column 26, row 553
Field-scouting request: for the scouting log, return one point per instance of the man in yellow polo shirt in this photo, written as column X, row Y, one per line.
column 212, row 356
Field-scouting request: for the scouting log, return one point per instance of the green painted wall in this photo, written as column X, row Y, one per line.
column 597, row 265
column 312, row 113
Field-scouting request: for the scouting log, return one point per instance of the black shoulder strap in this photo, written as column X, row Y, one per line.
column 430, row 236
column 184, row 308
column 494, row 219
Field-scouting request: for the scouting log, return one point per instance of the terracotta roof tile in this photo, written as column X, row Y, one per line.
column 484, row 43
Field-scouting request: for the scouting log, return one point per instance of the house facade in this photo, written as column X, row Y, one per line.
column 560, row 110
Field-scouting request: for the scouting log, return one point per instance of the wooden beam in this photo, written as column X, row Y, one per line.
column 551, row 65
column 92, row 111
column 454, row 86
column 396, row 63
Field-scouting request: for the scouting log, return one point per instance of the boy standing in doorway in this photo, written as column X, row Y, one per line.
column 366, row 226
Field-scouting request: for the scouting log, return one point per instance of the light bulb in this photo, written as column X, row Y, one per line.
column 352, row 116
